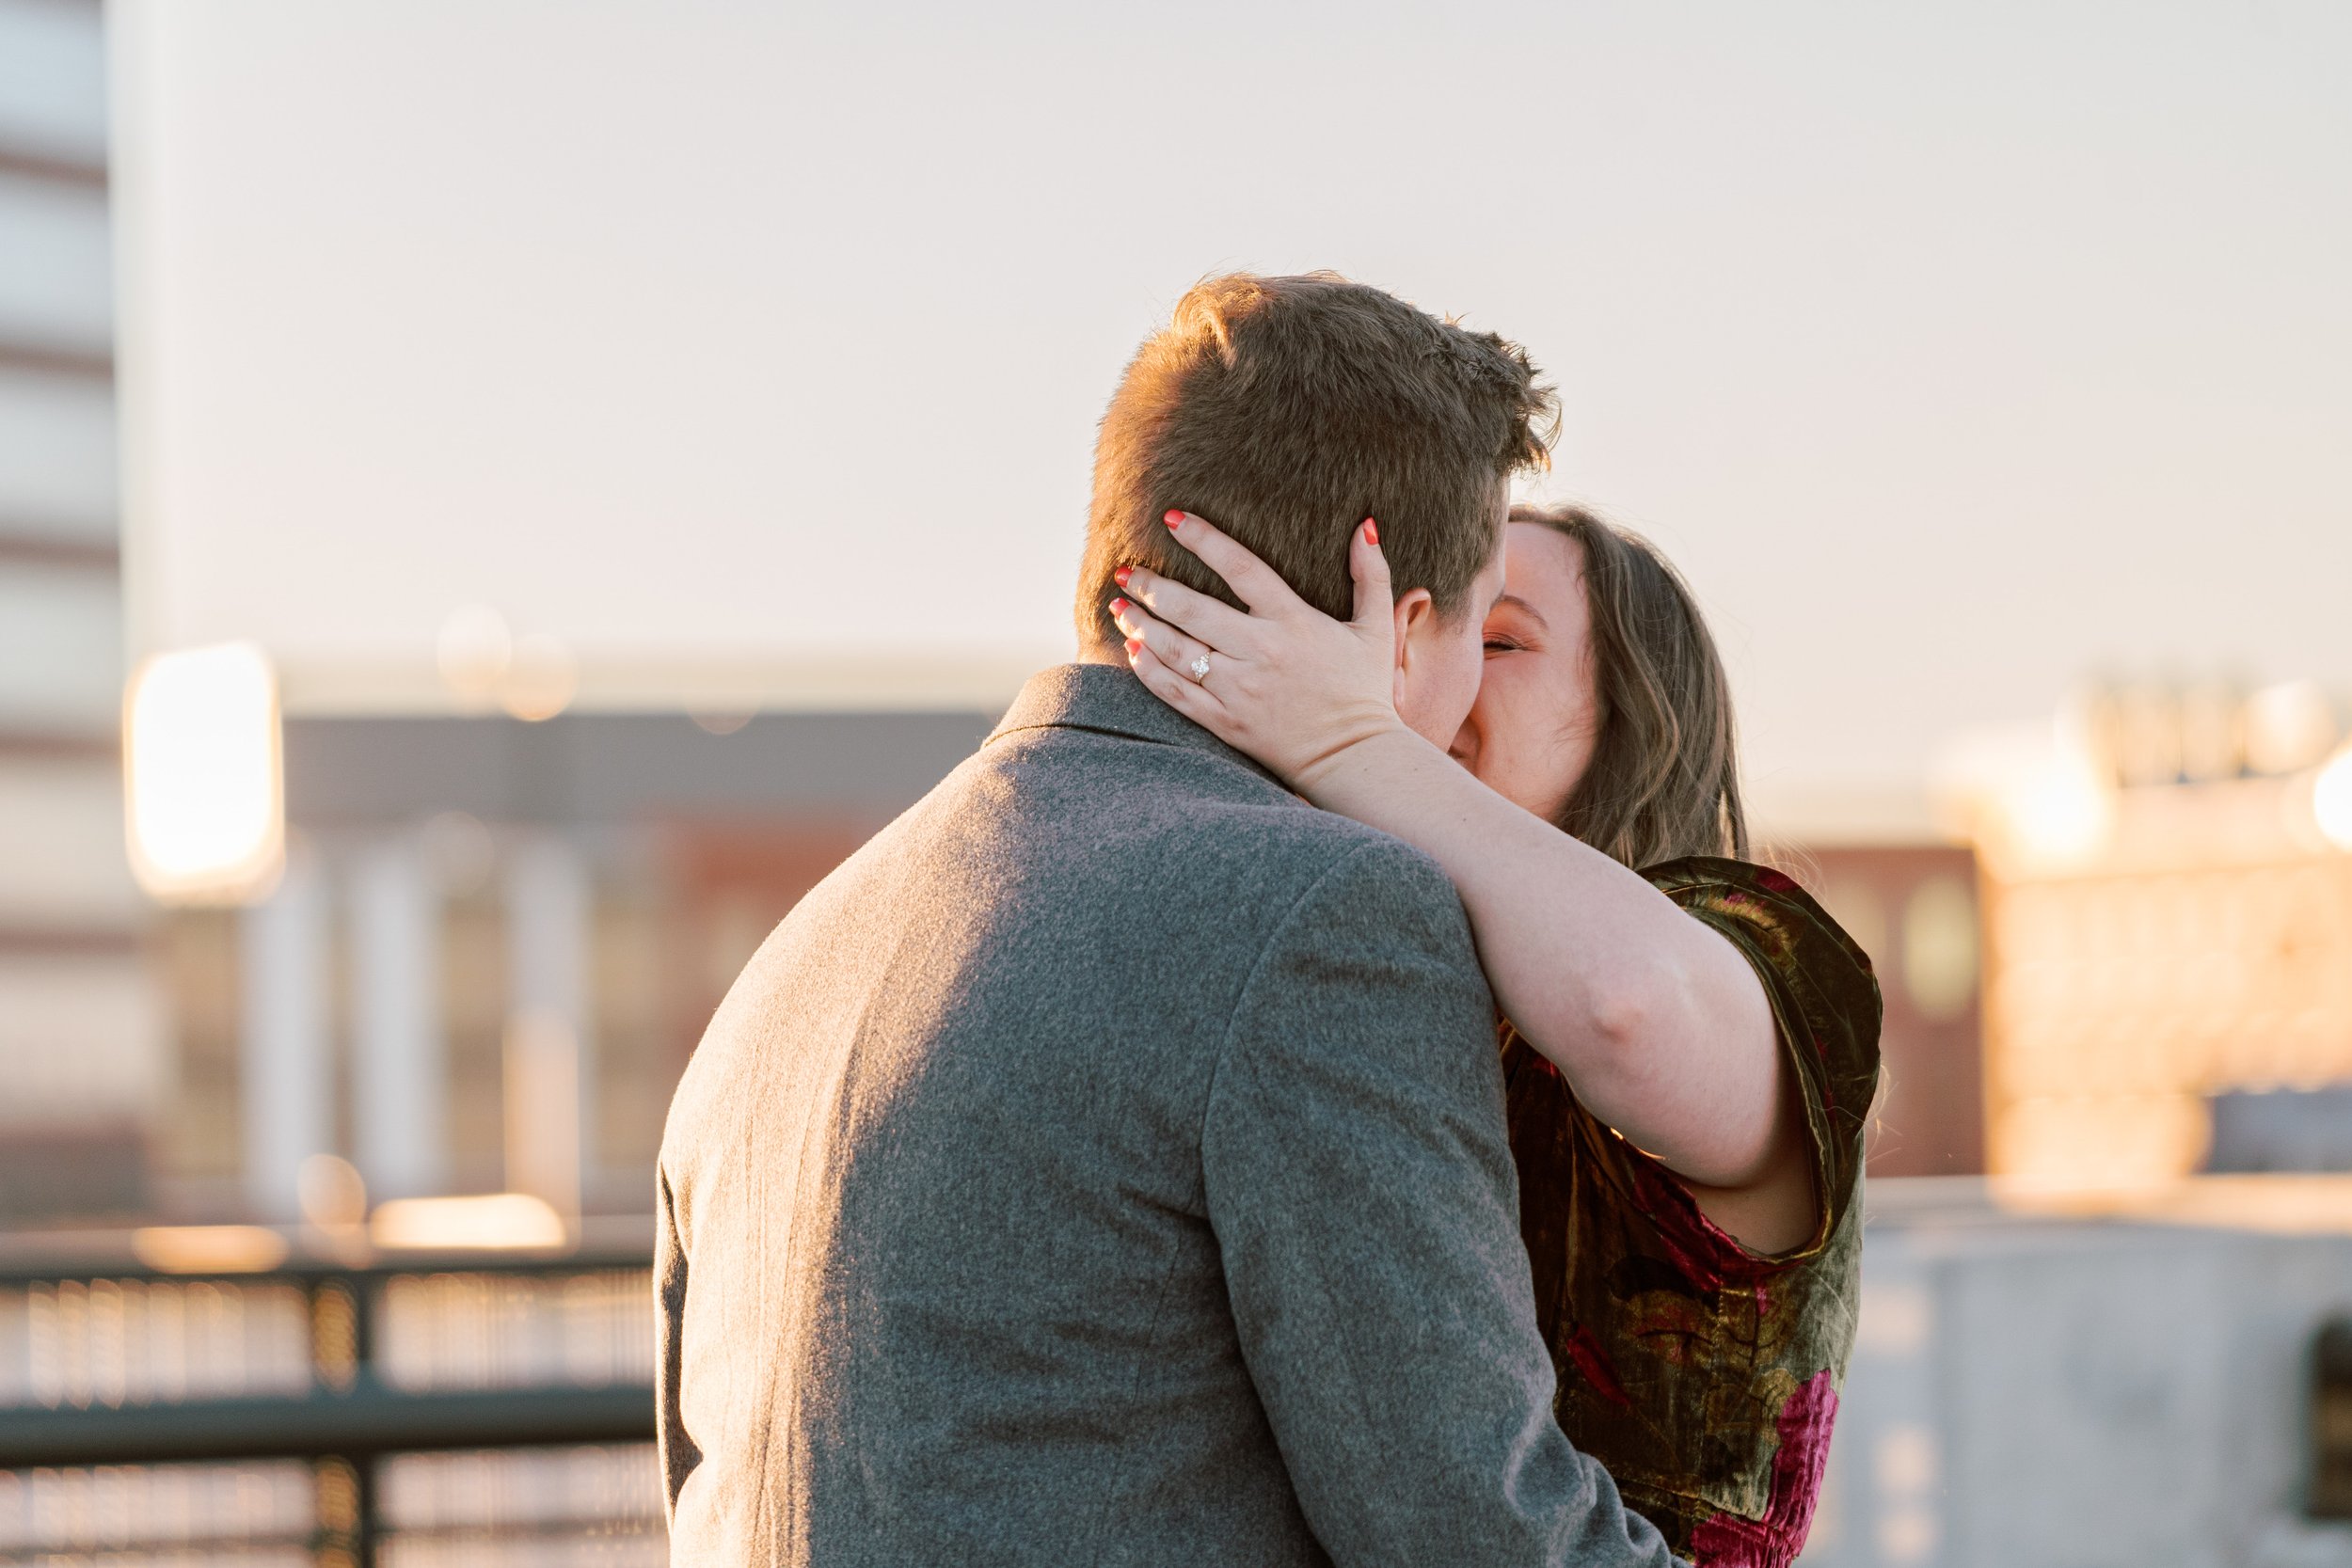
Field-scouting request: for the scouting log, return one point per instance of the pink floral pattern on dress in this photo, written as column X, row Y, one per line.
column 1728, row 1540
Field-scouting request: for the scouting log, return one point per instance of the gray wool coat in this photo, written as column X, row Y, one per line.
column 1105, row 1165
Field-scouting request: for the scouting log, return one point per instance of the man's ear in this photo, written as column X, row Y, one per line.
column 1415, row 612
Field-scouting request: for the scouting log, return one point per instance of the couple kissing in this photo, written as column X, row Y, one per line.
column 1323, row 1083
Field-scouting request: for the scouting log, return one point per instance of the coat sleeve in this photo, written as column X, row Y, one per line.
column 1361, row 1189
column 678, row 1453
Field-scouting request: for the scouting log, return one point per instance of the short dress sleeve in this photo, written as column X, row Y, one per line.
column 1704, row 1376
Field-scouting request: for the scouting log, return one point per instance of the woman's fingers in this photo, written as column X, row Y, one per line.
column 1197, row 615
column 1287, row 684
column 1180, row 692
column 1174, row 648
column 1254, row 582
column 1375, row 596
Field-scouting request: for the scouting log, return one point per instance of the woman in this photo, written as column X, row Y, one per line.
column 1689, row 1051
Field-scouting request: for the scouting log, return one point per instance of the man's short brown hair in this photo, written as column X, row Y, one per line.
column 1287, row 410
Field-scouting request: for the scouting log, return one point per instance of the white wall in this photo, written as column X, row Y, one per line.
column 2037, row 1393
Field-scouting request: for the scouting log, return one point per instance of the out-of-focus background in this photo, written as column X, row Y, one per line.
column 495, row 500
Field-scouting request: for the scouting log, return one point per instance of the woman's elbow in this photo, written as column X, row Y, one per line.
column 1617, row 1038
column 1635, row 1021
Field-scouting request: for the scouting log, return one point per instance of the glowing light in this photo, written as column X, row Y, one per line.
column 2331, row 799
column 2288, row 726
column 205, row 795
column 209, row 1249
column 533, row 676
column 540, row 682
column 719, row 721
column 331, row 1191
column 2060, row 814
column 2058, row 802
column 2033, row 799
column 497, row 1220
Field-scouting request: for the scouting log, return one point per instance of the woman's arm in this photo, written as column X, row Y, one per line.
column 1656, row 1019
column 1658, row 1023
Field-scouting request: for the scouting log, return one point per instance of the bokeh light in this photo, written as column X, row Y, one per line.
column 2331, row 799
column 206, row 805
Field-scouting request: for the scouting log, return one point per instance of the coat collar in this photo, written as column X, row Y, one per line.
column 1109, row 700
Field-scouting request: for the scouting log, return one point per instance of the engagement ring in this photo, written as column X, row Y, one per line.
column 1200, row 667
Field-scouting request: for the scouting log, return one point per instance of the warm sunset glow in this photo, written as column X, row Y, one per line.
column 2033, row 801
column 2061, row 814
column 209, row 1249
column 492, row 1221
column 2331, row 799
column 2288, row 726
column 200, row 757
column 2200, row 951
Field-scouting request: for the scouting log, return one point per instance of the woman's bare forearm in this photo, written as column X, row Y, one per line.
column 1657, row 1021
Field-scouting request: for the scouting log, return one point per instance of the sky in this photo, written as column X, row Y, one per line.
column 1956, row 354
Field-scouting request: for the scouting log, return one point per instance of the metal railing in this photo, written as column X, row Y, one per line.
column 438, row 1373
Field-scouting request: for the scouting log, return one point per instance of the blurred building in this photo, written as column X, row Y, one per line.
column 2168, row 921
column 2130, row 957
column 1913, row 908
column 497, row 936
column 496, row 940
column 81, row 1028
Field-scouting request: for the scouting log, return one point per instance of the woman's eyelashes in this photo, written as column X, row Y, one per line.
column 1503, row 644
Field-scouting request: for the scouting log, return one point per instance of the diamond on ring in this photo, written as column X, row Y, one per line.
column 1200, row 667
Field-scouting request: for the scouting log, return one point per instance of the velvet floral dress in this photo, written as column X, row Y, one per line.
column 1703, row 1375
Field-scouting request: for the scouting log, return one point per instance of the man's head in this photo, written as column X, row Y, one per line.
column 1287, row 410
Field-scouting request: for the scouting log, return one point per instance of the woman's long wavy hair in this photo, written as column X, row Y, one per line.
column 1664, row 778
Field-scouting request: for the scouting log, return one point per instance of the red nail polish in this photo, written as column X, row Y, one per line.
column 1122, row 576
column 1135, row 646
column 1118, row 607
column 1371, row 531
column 1172, row 518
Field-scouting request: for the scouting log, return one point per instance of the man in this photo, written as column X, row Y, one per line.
column 1107, row 1163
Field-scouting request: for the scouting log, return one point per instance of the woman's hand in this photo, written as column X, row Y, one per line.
column 1657, row 1021
column 1284, row 683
